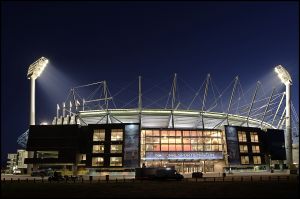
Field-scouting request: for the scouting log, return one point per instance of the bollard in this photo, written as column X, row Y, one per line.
column 34, row 180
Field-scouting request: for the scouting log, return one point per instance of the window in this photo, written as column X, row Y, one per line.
column 255, row 149
column 243, row 149
column 254, row 137
column 99, row 135
column 244, row 159
column 172, row 147
column 98, row 148
column 97, row 161
column 83, row 157
column 256, row 160
column 164, row 139
column 115, row 161
column 164, row 147
column 117, row 134
column 116, row 148
column 242, row 136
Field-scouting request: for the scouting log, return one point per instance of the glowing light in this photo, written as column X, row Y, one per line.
column 36, row 68
column 283, row 75
column 44, row 123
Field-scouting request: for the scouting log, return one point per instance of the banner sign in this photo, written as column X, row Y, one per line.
column 183, row 155
column 131, row 146
column 232, row 145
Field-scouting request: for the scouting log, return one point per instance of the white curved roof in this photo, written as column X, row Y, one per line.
column 162, row 118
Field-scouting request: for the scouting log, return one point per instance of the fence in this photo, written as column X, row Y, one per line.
column 279, row 178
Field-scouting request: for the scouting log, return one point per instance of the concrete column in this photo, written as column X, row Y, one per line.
column 288, row 130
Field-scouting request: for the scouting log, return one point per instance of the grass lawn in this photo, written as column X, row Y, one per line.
column 150, row 189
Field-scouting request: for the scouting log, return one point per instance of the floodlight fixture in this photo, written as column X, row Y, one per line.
column 37, row 67
column 283, row 75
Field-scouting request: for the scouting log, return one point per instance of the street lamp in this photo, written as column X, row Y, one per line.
column 34, row 71
column 286, row 79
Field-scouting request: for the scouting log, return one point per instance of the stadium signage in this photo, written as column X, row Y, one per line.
column 183, row 155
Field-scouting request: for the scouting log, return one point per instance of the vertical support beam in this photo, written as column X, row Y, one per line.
column 253, row 99
column 173, row 98
column 278, row 108
column 83, row 103
column 32, row 101
column 70, row 108
column 64, row 109
column 105, row 101
column 266, row 110
column 288, row 129
column 57, row 111
column 279, row 125
column 32, row 118
column 232, row 94
column 140, row 99
column 204, row 98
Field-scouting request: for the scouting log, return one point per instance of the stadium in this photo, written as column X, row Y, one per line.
column 189, row 129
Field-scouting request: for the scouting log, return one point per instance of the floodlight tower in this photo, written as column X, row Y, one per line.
column 286, row 79
column 34, row 71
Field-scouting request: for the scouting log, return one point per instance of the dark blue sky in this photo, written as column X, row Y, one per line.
column 93, row 41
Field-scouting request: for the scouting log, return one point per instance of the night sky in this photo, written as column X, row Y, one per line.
column 117, row 42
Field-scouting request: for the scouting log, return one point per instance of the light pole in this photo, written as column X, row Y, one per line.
column 286, row 79
column 34, row 71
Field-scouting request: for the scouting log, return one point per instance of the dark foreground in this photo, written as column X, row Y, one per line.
column 150, row 189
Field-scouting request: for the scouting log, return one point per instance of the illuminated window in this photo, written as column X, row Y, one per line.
column 255, row 149
column 207, row 140
column 155, row 139
column 148, row 132
column 254, row 137
column 186, row 133
column 207, row 147
column 164, row 139
column 97, row 161
column 216, row 141
column 200, row 147
column 215, row 147
column 172, row 140
column 178, row 140
column 83, row 157
column 116, row 148
column 194, row 140
column 156, row 133
column 115, row 161
column 156, row 147
column 117, row 134
column 98, row 148
column 193, row 133
column 164, row 147
column 186, row 140
column 172, row 147
column 194, row 148
column 149, row 147
column 256, row 160
column 199, row 133
column 207, row 133
column 178, row 133
column 99, row 135
column 172, row 133
column 178, row 147
column 164, row 133
column 244, row 159
column 242, row 136
column 187, row 147
column 243, row 149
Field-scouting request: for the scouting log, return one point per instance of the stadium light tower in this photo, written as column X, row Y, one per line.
column 286, row 79
column 34, row 71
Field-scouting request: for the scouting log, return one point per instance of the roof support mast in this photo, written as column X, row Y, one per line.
column 204, row 98
column 283, row 94
column 253, row 99
column 106, row 100
column 267, row 107
column 140, row 99
column 232, row 94
column 173, row 98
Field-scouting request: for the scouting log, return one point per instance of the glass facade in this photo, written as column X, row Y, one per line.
column 256, row 160
column 254, row 137
column 116, row 148
column 244, row 159
column 182, row 144
column 243, row 149
column 242, row 136
column 255, row 149
column 98, row 148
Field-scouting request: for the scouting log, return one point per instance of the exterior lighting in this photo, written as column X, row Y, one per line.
column 34, row 71
column 286, row 79
column 44, row 123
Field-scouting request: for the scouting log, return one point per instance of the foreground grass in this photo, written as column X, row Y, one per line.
column 152, row 189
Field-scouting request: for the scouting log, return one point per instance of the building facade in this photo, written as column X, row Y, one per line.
column 126, row 146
